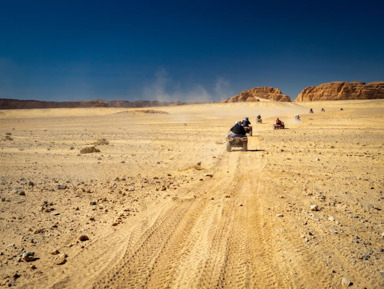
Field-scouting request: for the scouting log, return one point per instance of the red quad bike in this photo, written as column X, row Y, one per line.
column 279, row 126
column 237, row 141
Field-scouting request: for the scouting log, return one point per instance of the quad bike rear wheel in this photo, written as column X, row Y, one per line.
column 228, row 146
column 245, row 145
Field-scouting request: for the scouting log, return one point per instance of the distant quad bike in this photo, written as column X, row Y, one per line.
column 248, row 130
column 279, row 126
column 259, row 120
column 237, row 141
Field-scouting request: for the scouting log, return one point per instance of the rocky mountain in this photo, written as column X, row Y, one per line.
column 28, row 104
column 257, row 94
column 340, row 90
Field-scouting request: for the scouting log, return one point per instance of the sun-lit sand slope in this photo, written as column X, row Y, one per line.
column 164, row 205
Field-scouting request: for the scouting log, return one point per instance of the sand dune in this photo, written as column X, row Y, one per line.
column 164, row 205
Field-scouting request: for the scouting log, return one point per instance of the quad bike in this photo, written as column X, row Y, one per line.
column 259, row 120
column 279, row 126
column 248, row 130
column 237, row 141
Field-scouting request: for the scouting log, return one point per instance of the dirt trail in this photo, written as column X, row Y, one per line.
column 218, row 238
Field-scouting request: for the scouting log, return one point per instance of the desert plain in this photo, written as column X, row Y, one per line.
column 164, row 205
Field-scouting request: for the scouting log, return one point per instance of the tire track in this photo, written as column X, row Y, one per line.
column 219, row 240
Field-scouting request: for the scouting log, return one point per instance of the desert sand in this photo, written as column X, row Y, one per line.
column 164, row 205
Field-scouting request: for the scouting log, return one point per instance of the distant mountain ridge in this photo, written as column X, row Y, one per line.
column 259, row 93
column 6, row 103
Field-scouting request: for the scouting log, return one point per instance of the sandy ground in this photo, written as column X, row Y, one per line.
column 164, row 205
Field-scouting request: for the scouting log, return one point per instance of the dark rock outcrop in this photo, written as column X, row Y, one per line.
column 340, row 90
column 259, row 93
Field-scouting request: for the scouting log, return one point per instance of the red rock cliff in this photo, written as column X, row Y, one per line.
column 340, row 90
column 257, row 93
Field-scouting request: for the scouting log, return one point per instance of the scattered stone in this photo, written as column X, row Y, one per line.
column 93, row 203
column 317, row 159
column 55, row 252
column 28, row 256
column 60, row 259
column 315, row 208
column 61, row 187
column 279, row 215
column 366, row 255
column 16, row 276
column 346, row 282
column 198, row 166
column 18, row 192
column 330, row 218
column 83, row 238
column 88, row 150
column 33, row 267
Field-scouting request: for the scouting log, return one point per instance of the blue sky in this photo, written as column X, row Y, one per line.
column 184, row 50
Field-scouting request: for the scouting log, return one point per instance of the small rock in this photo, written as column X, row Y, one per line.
column 345, row 282
column 93, row 203
column 366, row 255
column 16, row 276
column 83, row 238
column 61, row 187
column 279, row 215
column 315, row 208
column 60, row 259
column 55, row 252
column 88, row 150
column 28, row 256
column 330, row 218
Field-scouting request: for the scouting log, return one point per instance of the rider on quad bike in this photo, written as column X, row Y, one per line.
column 237, row 138
column 237, row 130
column 246, row 124
column 278, row 124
